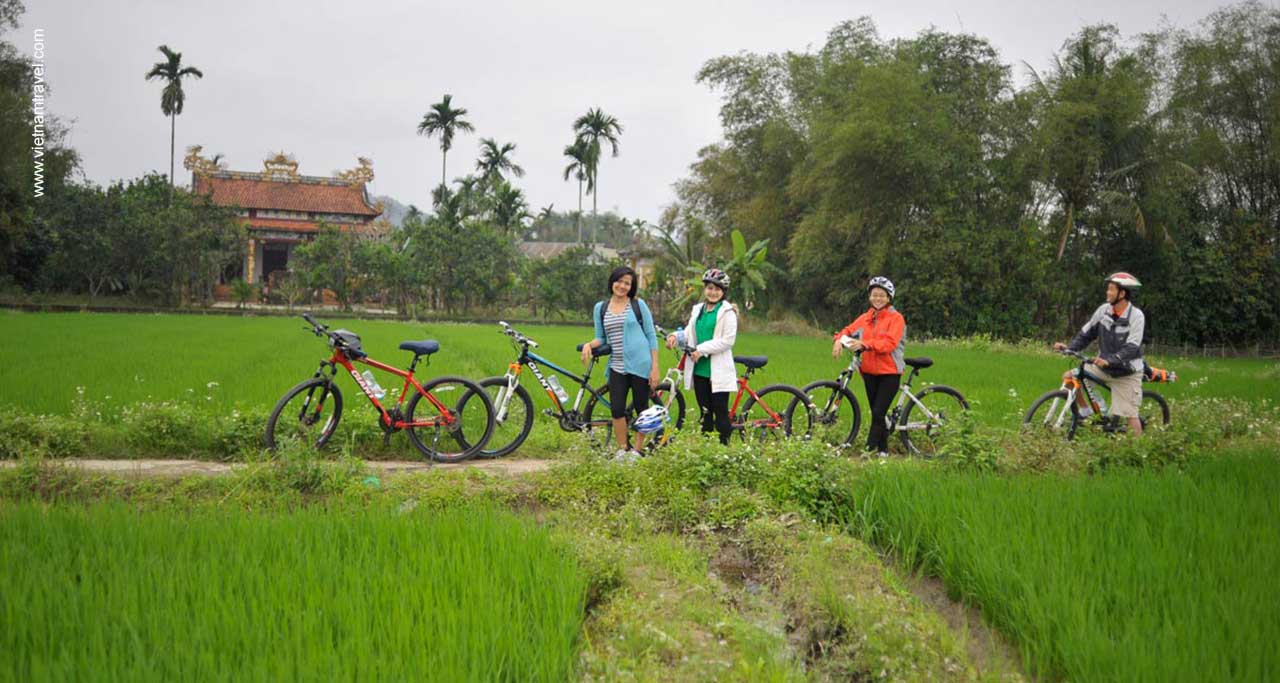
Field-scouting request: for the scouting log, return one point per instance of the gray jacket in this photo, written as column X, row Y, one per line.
column 1119, row 338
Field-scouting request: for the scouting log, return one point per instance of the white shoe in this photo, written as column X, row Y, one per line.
column 620, row 456
column 882, row 455
column 1084, row 412
column 634, row 455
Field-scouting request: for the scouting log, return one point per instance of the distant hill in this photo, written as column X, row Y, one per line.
column 393, row 211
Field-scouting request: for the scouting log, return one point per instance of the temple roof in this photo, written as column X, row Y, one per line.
column 304, row 193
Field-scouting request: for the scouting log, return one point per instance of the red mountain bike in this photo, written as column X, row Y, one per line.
column 449, row 418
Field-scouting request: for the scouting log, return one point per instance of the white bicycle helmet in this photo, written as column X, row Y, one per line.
column 883, row 283
column 1124, row 281
column 651, row 420
column 716, row 277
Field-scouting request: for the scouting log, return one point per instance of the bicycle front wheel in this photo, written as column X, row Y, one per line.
column 1052, row 413
column 513, row 417
column 930, row 418
column 308, row 413
column 451, row 421
column 836, row 414
column 770, row 419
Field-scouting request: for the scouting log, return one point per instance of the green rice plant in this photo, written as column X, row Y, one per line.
column 1134, row 575
column 114, row 593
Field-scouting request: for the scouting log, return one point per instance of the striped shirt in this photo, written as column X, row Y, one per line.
column 613, row 324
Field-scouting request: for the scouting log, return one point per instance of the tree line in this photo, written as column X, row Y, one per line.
column 994, row 195
column 996, row 206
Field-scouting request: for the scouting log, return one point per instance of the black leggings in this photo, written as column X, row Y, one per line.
column 881, row 389
column 619, row 384
column 714, row 406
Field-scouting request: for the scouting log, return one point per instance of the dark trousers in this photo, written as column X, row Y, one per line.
column 714, row 406
column 881, row 390
column 619, row 384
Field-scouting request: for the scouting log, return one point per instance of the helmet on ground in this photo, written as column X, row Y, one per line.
column 1124, row 281
column 651, row 420
column 716, row 277
column 883, row 283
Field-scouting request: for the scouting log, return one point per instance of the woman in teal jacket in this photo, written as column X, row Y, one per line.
column 624, row 323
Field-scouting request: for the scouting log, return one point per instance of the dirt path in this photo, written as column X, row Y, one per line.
column 183, row 468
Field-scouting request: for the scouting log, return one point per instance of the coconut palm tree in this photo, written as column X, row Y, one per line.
column 445, row 121
column 579, row 167
column 495, row 159
column 171, row 71
column 591, row 128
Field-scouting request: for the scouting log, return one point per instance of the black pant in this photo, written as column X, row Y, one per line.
column 881, row 390
column 714, row 406
column 619, row 384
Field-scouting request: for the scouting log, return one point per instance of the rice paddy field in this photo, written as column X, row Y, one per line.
column 111, row 593
column 1136, row 575
column 1146, row 572
column 225, row 363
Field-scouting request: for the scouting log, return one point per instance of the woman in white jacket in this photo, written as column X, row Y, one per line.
column 712, row 330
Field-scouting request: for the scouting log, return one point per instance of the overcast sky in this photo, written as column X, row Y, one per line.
column 330, row 81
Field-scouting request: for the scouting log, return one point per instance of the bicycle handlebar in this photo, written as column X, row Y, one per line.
column 515, row 335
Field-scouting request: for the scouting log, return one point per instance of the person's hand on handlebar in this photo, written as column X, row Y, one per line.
column 1059, row 347
column 671, row 341
column 586, row 351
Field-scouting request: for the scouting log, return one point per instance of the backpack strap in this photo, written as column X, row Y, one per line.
column 635, row 310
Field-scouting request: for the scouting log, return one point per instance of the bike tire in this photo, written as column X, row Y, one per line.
column 510, row 432
column 271, row 439
column 1046, row 415
column 589, row 418
column 770, row 428
column 927, row 445
column 1159, row 401
column 828, row 400
column 467, row 444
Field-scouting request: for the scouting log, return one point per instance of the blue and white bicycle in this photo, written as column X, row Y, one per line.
column 589, row 411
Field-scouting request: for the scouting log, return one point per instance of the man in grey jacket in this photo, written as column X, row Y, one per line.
column 1118, row 326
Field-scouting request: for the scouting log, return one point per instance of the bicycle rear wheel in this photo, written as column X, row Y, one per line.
column 308, row 413
column 1154, row 410
column 455, row 416
column 924, row 424
column 770, row 418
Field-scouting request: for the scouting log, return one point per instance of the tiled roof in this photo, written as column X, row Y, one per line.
column 298, row 195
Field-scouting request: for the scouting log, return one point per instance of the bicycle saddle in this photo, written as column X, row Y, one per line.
column 918, row 363
column 602, row 350
column 421, row 348
column 753, row 362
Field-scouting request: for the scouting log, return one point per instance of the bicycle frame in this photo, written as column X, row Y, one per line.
column 533, row 361
column 904, row 394
column 390, row 420
column 744, row 388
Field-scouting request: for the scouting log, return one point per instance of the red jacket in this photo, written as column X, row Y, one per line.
column 883, row 334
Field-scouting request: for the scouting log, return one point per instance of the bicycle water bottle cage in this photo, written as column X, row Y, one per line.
column 752, row 362
column 421, row 348
column 602, row 350
column 349, row 342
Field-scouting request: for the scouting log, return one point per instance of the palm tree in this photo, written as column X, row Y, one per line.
column 171, row 71
column 510, row 209
column 444, row 120
column 496, row 159
column 593, row 127
column 580, row 154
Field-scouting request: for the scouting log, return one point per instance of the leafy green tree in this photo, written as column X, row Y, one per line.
column 446, row 121
column 580, row 164
column 592, row 128
column 495, row 161
column 173, row 97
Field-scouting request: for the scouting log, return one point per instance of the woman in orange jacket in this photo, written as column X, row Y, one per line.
column 879, row 335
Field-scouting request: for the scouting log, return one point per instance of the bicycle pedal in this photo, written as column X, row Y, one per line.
column 549, row 413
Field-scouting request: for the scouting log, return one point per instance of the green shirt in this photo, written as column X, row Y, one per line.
column 705, row 329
